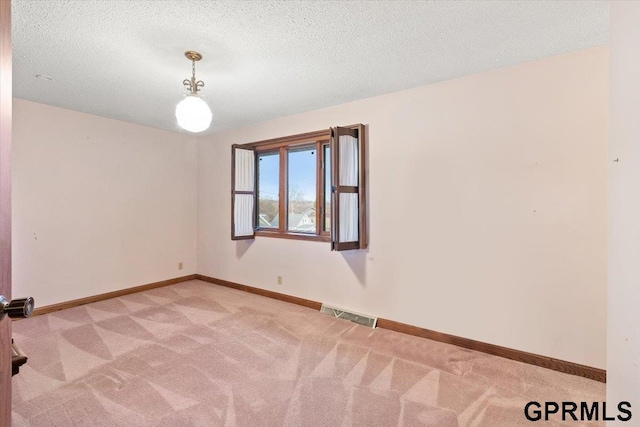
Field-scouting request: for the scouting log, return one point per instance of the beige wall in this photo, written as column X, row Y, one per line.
column 98, row 204
column 487, row 212
column 623, row 333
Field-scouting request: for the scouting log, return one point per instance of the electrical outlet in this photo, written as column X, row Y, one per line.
column 180, row 266
column 279, row 280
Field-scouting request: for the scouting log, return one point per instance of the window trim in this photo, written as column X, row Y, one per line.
column 322, row 187
column 321, row 138
column 317, row 140
column 291, row 140
column 293, row 235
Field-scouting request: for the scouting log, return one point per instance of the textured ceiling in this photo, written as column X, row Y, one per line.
column 262, row 60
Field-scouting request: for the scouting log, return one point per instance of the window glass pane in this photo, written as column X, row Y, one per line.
column 268, row 190
column 327, row 189
column 301, row 190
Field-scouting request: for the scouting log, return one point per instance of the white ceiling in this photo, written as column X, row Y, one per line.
column 262, row 60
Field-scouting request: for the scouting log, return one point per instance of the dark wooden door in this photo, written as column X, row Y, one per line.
column 5, row 207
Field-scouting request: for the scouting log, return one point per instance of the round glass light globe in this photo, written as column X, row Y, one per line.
column 193, row 114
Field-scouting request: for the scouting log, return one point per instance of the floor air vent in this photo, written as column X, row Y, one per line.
column 362, row 319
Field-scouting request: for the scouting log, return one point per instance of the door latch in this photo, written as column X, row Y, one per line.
column 17, row 308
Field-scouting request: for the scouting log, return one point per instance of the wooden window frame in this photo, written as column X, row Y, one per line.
column 320, row 139
column 316, row 140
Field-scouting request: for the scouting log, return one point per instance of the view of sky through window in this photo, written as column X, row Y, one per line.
column 301, row 189
column 268, row 195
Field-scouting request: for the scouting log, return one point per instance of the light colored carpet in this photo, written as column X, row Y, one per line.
column 196, row 354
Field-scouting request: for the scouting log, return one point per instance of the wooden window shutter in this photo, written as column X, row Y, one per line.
column 348, row 197
column 243, row 193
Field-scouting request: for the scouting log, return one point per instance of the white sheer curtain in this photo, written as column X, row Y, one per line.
column 243, row 203
column 348, row 155
column 243, row 210
column 245, row 166
column 348, row 217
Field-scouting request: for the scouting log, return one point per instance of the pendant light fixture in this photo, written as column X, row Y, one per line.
column 192, row 112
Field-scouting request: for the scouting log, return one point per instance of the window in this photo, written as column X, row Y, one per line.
column 268, row 192
column 308, row 186
column 301, row 189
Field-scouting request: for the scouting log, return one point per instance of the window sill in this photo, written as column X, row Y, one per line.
column 293, row 236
